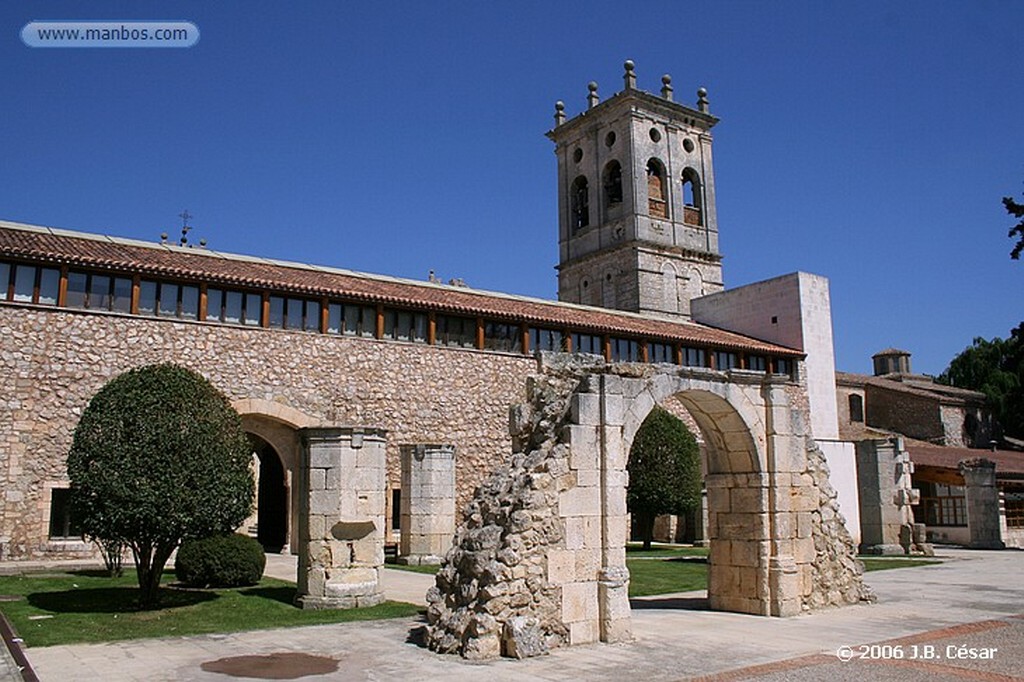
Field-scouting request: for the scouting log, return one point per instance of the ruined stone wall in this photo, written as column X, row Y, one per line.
column 837, row 576
column 495, row 593
column 53, row 361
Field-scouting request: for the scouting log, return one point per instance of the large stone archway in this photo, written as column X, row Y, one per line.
column 278, row 426
column 540, row 560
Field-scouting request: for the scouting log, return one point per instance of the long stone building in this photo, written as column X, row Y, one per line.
column 432, row 367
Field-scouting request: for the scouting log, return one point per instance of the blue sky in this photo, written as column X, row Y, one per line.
column 869, row 142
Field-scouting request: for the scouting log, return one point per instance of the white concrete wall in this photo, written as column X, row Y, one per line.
column 842, row 465
column 792, row 310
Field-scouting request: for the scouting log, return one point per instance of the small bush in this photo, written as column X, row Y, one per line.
column 220, row 561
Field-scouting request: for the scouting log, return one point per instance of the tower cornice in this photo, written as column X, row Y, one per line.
column 629, row 102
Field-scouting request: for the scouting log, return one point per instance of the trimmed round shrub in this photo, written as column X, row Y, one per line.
column 220, row 561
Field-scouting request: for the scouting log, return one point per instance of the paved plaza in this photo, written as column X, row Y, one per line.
column 971, row 604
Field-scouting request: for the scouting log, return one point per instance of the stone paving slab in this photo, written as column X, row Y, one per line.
column 673, row 641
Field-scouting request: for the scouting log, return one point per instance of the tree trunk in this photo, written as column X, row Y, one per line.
column 149, row 569
column 647, row 528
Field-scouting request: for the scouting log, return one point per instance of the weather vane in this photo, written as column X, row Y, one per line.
column 185, row 227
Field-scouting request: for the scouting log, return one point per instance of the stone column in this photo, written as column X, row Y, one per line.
column 341, row 524
column 428, row 503
column 613, row 609
column 883, row 478
column 982, row 503
column 789, row 502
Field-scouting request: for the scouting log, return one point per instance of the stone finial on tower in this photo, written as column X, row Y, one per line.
column 592, row 98
column 702, row 100
column 630, row 76
column 559, row 113
column 666, row 87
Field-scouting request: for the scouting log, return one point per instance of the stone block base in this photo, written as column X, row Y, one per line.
column 309, row 602
column 419, row 560
column 884, row 550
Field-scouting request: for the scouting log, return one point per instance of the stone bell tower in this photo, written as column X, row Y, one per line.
column 637, row 228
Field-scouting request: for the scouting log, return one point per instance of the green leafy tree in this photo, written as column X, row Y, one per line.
column 1017, row 211
column 159, row 456
column 664, row 471
column 996, row 368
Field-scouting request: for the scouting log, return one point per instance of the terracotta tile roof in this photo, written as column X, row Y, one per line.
column 915, row 385
column 1007, row 461
column 171, row 261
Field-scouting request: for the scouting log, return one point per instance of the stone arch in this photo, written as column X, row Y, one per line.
column 737, row 483
column 278, row 426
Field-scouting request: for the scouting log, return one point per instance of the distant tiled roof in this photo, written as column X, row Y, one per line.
column 890, row 351
column 175, row 262
column 915, row 385
column 1007, row 461
column 851, row 379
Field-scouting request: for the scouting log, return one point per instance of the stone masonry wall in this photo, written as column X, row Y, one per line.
column 53, row 361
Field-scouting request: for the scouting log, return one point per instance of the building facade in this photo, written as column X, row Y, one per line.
column 298, row 347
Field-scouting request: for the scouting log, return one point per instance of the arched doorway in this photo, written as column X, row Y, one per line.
column 737, row 487
column 271, row 497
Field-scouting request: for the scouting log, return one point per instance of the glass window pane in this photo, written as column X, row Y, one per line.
column 214, row 302
column 233, row 307
column 122, row 301
column 168, row 299
column 293, row 308
column 369, row 322
column 276, row 312
column 253, row 309
column 390, row 324
column 419, row 332
column 312, row 316
column 5, row 280
column 352, row 319
column 75, row 297
column 334, row 318
column 24, row 282
column 190, row 302
column 99, row 292
column 63, row 525
column 49, row 286
column 147, row 298
column 404, row 326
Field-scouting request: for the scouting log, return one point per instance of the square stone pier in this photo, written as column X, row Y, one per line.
column 427, row 504
column 341, row 524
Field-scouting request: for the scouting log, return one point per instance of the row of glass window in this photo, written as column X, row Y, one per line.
column 41, row 285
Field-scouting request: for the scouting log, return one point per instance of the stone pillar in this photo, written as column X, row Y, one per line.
column 341, row 524
column 883, row 477
column 428, row 503
column 789, row 501
column 982, row 503
column 613, row 581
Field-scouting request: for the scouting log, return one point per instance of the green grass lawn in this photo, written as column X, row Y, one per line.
column 670, row 570
column 663, row 576
column 87, row 606
column 876, row 564
column 636, row 550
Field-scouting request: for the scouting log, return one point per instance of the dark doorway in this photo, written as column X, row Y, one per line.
column 271, row 496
